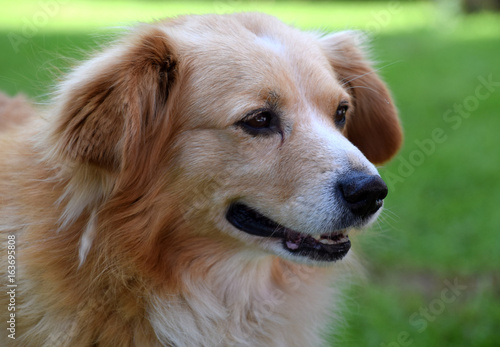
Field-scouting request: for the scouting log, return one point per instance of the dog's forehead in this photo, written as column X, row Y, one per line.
column 248, row 38
column 248, row 57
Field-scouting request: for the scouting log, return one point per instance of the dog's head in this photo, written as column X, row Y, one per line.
column 236, row 130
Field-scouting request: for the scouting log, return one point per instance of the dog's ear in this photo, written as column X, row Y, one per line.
column 374, row 126
column 108, row 106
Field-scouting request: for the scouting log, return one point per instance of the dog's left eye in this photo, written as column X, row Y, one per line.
column 340, row 114
column 259, row 122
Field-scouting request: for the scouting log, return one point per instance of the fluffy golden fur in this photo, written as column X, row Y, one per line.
column 117, row 193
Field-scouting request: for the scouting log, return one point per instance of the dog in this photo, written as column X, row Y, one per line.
column 193, row 184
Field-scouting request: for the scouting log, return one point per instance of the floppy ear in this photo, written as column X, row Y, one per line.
column 110, row 104
column 374, row 127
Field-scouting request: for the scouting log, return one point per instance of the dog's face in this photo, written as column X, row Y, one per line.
column 259, row 134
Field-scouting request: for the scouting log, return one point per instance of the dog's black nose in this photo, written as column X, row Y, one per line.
column 363, row 194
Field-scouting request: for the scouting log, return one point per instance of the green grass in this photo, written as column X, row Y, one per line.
column 441, row 221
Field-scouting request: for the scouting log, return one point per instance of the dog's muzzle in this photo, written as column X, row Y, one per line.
column 361, row 195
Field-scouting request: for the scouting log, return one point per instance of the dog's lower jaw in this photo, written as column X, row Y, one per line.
column 245, row 303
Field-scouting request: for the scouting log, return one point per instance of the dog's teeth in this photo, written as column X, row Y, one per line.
column 327, row 242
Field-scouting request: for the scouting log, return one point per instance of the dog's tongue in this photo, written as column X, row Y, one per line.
column 293, row 239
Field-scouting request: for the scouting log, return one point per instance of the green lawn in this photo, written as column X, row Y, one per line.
column 433, row 260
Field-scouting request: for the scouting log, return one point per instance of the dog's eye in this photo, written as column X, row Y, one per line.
column 259, row 122
column 340, row 114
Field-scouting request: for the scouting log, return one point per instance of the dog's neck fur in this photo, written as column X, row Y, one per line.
column 237, row 303
column 239, row 299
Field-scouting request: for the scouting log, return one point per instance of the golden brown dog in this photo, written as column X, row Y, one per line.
column 192, row 185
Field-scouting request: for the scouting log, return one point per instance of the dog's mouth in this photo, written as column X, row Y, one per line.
column 326, row 247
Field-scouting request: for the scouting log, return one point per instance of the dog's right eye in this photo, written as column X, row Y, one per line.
column 260, row 122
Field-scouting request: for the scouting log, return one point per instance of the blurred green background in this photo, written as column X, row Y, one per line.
column 433, row 259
